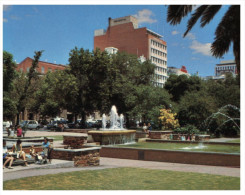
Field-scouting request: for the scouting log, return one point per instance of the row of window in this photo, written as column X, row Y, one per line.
column 160, row 69
column 155, row 51
column 43, row 69
column 157, row 60
column 160, row 77
column 153, row 42
column 158, row 84
column 226, row 68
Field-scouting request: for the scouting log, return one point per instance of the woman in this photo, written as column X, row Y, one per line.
column 9, row 159
column 145, row 128
column 20, row 153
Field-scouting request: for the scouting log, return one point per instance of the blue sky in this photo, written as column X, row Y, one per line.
column 59, row 28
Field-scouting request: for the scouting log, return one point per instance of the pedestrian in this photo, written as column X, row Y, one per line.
column 6, row 157
column 19, row 131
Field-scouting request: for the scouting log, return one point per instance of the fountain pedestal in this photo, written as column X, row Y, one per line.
column 113, row 137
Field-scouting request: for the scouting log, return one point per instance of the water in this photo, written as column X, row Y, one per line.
column 200, row 146
column 116, row 122
column 210, row 119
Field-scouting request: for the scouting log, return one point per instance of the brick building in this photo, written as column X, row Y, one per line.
column 43, row 67
column 123, row 33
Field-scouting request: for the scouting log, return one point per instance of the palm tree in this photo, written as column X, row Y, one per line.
column 227, row 31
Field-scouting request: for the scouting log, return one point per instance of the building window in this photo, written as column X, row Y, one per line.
column 43, row 69
column 27, row 70
column 21, row 69
column 50, row 69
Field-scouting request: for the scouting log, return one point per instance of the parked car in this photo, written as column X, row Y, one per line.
column 30, row 124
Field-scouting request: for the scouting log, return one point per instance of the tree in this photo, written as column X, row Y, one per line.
column 194, row 107
column 57, row 91
column 9, row 74
column 177, row 86
column 227, row 31
column 28, row 80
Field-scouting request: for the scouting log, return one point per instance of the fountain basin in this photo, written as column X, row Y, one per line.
column 112, row 137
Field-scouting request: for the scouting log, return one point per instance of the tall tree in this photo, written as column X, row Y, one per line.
column 27, row 82
column 227, row 31
column 9, row 74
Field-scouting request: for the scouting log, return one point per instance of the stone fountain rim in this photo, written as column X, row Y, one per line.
column 112, row 132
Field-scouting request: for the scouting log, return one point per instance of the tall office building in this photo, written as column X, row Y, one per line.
column 123, row 33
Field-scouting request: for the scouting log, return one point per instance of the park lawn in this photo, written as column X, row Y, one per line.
column 183, row 146
column 57, row 137
column 234, row 141
column 125, row 179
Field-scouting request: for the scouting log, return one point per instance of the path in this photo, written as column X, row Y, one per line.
column 115, row 163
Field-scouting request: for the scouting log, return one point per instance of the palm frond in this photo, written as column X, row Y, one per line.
column 195, row 16
column 177, row 12
column 227, row 31
column 209, row 13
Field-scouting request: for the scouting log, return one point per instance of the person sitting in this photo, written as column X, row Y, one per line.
column 32, row 151
column 11, row 131
column 144, row 128
column 20, row 153
column 6, row 157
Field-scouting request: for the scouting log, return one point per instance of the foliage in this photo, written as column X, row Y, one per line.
column 227, row 31
column 9, row 72
column 27, row 83
column 177, row 86
column 168, row 120
column 195, row 107
column 188, row 129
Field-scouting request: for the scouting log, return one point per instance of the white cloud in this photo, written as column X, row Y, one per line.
column 175, row 32
column 6, row 7
column 190, row 36
column 202, row 48
column 144, row 16
column 5, row 20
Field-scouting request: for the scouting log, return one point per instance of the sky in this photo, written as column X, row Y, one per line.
column 57, row 29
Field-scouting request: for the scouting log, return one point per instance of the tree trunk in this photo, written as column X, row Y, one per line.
column 83, row 120
column 127, row 121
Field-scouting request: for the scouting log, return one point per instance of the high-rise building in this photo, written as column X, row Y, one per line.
column 123, row 33
column 225, row 67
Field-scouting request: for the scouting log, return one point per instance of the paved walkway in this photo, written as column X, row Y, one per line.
column 223, row 139
column 115, row 163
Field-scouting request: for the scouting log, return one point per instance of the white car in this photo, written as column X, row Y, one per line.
column 31, row 124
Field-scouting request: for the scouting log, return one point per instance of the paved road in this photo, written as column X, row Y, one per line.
column 115, row 163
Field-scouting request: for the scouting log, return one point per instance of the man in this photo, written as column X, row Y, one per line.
column 46, row 150
column 9, row 159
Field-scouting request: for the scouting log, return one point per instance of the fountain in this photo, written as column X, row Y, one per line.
column 115, row 134
column 220, row 112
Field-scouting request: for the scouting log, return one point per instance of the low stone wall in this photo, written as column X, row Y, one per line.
column 141, row 135
column 75, row 141
column 77, row 130
column 166, row 135
column 28, row 139
column 199, row 158
column 204, row 142
column 81, row 157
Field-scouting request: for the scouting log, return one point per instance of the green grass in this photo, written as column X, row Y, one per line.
column 57, row 137
column 234, row 141
column 125, row 179
column 180, row 146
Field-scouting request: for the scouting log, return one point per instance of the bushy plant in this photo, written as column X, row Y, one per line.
column 188, row 129
column 167, row 119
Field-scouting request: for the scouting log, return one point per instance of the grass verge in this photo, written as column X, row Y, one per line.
column 125, row 179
